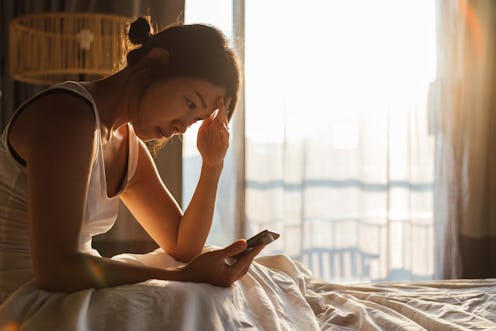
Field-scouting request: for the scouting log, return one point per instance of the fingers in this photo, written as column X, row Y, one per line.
column 242, row 265
column 234, row 271
column 221, row 112
column 219, row 119
column 214, row 114
column 227, row 101
column 235, row 248
column 249, row 256
column 244, row 260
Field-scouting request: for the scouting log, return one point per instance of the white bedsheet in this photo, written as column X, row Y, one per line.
column 439, row 305
column 276, row 294
column 263, row 300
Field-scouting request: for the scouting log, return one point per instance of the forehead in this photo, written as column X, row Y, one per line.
column 195, row 85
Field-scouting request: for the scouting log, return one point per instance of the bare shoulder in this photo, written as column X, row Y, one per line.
column 51, row 121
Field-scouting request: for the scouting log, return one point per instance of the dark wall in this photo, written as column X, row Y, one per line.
column 162, row 12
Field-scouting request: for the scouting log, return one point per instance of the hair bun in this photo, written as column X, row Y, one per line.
column 139, row 31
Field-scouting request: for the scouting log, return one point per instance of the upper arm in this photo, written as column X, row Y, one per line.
column 55, row 136
column 151, row 203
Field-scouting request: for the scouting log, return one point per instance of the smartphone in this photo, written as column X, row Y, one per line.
column 263, row 238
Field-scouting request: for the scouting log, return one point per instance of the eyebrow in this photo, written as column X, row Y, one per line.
column 204, row 104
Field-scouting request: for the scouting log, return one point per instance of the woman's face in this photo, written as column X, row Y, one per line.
column 171, row 106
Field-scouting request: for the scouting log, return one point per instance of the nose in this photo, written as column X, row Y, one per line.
column 180, row 128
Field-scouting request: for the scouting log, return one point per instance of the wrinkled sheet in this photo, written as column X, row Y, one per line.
column 276, row 294
column 263, row 299
column 446, row 305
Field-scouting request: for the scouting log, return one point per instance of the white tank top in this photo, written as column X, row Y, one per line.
column 100, row 212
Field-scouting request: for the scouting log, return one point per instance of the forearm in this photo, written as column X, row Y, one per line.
column 196, row 222
column 82, row 271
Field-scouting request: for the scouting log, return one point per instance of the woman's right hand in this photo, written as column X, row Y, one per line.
column 213, row 135
column 211, row 267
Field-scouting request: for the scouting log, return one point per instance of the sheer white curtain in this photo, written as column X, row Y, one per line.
column 463, row 99
column 339, row 158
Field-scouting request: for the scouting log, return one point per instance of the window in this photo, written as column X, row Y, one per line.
column 339, row 157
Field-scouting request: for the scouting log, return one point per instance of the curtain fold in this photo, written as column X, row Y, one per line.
column 463, row 101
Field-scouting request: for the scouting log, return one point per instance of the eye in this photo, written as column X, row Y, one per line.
column 191, row 105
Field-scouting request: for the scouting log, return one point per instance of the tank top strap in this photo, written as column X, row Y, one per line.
column 69, row 86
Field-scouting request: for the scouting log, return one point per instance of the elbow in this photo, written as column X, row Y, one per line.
column 183, row 255
column 48, row 280
column 182, row 252
column 51, row 285
column 58, row 275
column 51, row 281
column 184, row 258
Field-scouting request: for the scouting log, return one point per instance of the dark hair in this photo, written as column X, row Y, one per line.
column 196, row 51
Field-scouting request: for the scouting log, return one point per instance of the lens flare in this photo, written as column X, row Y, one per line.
column 10, row 326
column 474, row 25
column 95, row 272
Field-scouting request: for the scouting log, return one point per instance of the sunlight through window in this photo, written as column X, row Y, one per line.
column 338, row 154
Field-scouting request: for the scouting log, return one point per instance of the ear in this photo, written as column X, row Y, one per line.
column 158, row 53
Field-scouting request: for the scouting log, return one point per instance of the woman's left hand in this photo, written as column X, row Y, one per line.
column 213, row 136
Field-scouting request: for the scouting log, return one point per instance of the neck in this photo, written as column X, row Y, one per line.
column 113, row 97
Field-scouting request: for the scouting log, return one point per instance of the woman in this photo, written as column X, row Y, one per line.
column 70, row 153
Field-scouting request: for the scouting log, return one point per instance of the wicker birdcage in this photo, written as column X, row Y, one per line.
column 48, row 48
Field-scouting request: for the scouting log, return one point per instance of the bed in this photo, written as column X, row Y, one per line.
column 278, row 293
